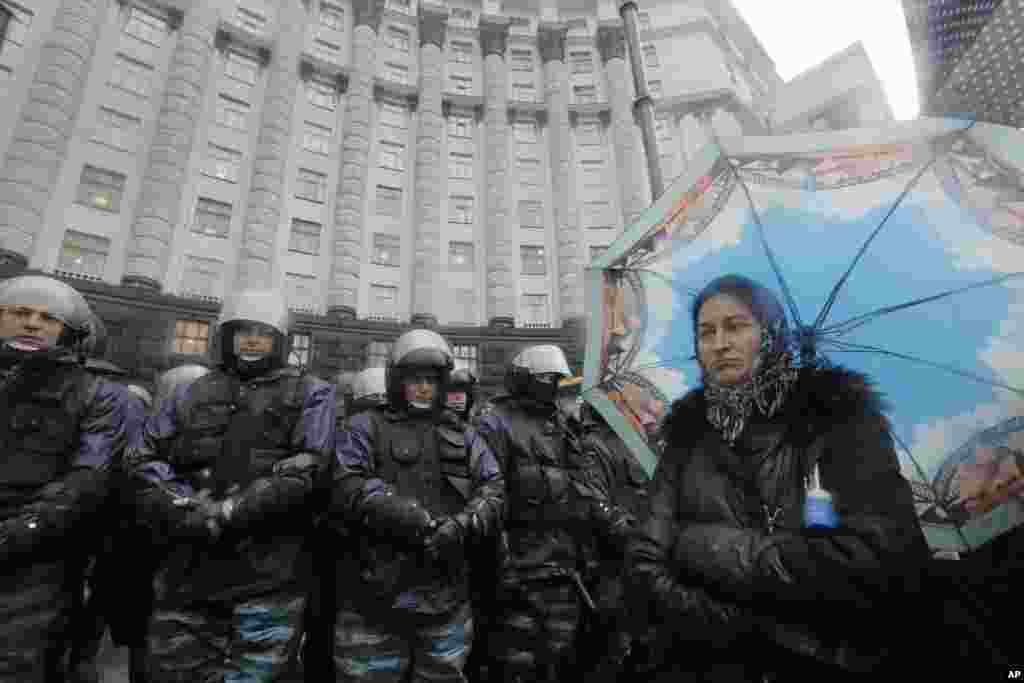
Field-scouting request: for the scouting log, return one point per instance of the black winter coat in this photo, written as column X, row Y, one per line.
column 726, row 561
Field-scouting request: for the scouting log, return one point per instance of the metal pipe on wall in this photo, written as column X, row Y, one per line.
column 643, row 107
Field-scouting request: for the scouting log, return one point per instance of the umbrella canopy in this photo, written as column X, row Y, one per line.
column 899, row 252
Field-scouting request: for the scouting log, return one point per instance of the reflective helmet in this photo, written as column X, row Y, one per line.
column 526, row 375
column 462, row 381
column 369, row 390
column 169, row 381
column 418, row 350
column 60, row 300
column 142, row 394
column 264, row 308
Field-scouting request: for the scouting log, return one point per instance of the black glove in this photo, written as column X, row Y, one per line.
column 402, row 519
column 449, row 537
column 203, row 519
column 614, row 522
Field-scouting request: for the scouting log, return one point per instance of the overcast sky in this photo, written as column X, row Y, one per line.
column 801, row 33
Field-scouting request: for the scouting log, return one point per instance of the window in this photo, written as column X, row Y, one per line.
column 582, row 62
column 460, row 256
column 463, row 84
column 460, row 165
column 461, row 53
column 533, row 260
column 524, row 92
column 397, row 39
column 132, row 76
column 212, row 218
column 519, row 22
column 332, row 17
column 384, row 306
column 389, row 201
column 101, row 189
column 593, row 172
column 305, row 237
column 645, row 21
column 223, row 163
column 321, row 94
column 588, row 131
column 460, row 126
column 534, row 310
column 145, row 27
column 400, row 4
column 597, row 252
column 251, row 19
column 531, row 214
column 232, row 113
column 83, row 254
column 522, row 60
column 316, row 138
column 584, row 94
column 299, row 355
column 578, row 24
column 327, row 47
column 116, row 129
column 311, row 186
column 399, row 73
column 460, row 210
column 392, row 156
column 525, row 131
column 465, row 305
column 651, row 56
column 654, row 87
column 463, row 15
column 663, row 128
column 386, row 249
column 378, row 353
column 467, row 357
column 301, row 291
column 394, row 116
column 529, row 171
column 191, row 336
column 597, row 214
column 241, row 68
column 202, row 278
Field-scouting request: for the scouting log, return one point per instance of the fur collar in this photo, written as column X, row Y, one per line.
column 821, row 399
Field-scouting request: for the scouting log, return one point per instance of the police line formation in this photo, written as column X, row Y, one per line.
column 240, row 527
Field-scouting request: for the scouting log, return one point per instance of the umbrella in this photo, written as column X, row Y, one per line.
column 898, row 252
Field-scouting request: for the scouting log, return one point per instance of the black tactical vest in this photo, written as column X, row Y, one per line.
column 234, row 431
column 39, row 417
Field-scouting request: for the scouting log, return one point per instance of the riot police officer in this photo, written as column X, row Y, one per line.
column 557, row 500
column 460, row 394
column 369, row 390
column 63, row 431
column 227, row 471
column 422, row 490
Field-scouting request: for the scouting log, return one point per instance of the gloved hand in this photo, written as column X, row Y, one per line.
column 204, row 518
column 449, row 537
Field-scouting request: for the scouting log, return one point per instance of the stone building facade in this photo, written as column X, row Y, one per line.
column 384, row 163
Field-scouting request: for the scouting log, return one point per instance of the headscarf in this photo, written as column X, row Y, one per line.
column 728, row 408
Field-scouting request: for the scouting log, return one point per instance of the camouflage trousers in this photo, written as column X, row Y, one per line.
column 254, row 641
column 35, row 605
column 534, row 631
column 403, row 646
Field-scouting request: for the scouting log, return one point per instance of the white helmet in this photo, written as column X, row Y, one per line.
column 369, row 389
column 417, row 350
column 168, row 382
column 260, row 307
column 62, row 301
column 527, row 373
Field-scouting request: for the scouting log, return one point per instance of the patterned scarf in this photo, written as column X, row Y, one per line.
column 729, row 407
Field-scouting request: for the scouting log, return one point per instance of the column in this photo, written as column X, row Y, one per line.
column 629, row 154
column 270, row 159
column 39, row 142
column 428, row 184
column 343, row 295
column 501, row 243
column 166, row 172
column 551, row 40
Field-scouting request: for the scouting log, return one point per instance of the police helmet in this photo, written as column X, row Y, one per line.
column 60, row 300
column 527, row 374
column 418, row 350
column 369, row 389
column 462, row 380
column 168, row 382
column 142, row 394
column 262, row 309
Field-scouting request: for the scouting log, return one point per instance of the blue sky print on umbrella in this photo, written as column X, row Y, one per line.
column 913, row 256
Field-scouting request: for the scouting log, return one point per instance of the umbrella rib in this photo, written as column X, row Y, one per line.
column 790, row 301
column 834, row 294
column 863, row 348
column 857, row 321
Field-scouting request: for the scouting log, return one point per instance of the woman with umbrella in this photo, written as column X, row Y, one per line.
column 782, row 535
